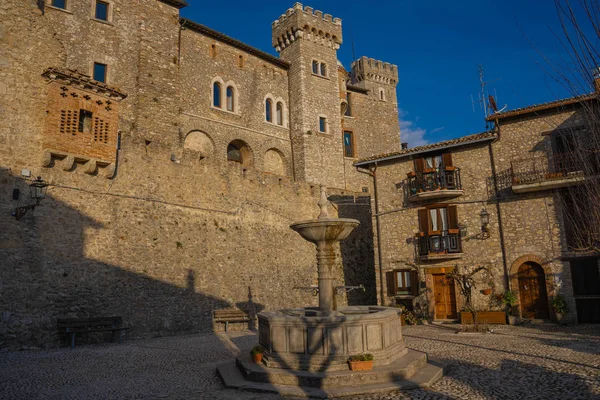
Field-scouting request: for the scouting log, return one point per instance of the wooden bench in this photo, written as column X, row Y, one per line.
column 232, row 315
column 73, row 326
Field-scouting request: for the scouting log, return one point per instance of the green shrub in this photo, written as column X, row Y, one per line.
column 559, row 304
column 509, row 298
column 256, row 350
column 362, row 357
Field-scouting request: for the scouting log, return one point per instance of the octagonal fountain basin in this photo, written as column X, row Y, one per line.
column 325, row 229
column 308, row 339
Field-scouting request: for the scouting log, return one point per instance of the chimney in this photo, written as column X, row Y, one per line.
column 404, row 146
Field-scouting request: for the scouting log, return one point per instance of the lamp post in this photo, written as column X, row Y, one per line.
column 38, row 192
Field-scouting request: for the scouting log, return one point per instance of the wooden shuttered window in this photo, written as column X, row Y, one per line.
column 390, row 277
column 452, row 219
column 393, row 288
column 447, row 159
column 423, row 221
column 419, row 165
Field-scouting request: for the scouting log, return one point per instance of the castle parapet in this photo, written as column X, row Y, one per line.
column 366, row 68
column 300, row 22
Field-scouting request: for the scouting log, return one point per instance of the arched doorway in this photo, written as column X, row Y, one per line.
column 532, row 291
column 239, row 152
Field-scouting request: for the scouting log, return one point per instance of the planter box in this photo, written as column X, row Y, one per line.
column 360, row 365
column 491, row 317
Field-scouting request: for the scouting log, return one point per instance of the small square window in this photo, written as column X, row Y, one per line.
column 322, row 124
column 59, row 4
column 101, row 10
column 100, row 72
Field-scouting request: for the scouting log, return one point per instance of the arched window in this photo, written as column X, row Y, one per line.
column 234, row 154
column 315, row 67
column 213, row 50
column 269, row 110
column 279, row 113
column 230, row 94
column 323, row 69
column 241, row 61
column 217, row 94
column 239, row 152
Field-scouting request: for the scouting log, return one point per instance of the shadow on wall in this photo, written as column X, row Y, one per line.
column 44, row 274
column 358, row 246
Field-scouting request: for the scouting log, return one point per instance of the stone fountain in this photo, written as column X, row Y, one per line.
column 305, row 350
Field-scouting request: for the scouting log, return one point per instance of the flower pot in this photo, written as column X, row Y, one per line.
column 257, row 358
column 486, row 292
column 360, row 365
column 561, row 319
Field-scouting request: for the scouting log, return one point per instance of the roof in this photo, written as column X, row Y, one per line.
column 176, row 3
column 72, row 76
column 233, row 42
column 542, row 106
column 462, row 141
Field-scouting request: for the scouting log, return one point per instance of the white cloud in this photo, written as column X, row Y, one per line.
column 441, row 128
column 409, row 132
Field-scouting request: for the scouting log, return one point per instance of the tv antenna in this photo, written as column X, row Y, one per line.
column 485, row 100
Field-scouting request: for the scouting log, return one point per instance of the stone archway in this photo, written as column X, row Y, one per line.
column 535, row 263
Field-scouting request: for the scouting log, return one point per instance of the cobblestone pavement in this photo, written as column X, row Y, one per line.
column 535, row 362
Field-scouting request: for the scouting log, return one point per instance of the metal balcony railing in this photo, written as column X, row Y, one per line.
column 438, row 179
column 439, row 243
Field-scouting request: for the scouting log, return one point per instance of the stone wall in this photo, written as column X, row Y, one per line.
column 178, row 231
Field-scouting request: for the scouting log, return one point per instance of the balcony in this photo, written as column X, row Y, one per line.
column 440, row 245
column 432, row 184
column 557, row 171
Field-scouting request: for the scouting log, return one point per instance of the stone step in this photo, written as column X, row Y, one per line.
column 424, row 377
column 403, row 368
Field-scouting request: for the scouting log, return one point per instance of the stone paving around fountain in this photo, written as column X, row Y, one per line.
column 535, row 362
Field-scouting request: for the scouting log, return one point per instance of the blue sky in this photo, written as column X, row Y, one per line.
column 437, row 45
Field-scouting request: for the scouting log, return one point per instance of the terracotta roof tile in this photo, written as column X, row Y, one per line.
column 478, row 137
column 176, row 3
column 542, row 106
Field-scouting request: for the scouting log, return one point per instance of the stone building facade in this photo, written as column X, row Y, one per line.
column 177, row 158
column 434, row 200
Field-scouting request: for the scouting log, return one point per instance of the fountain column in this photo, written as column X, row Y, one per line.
column 325, row 263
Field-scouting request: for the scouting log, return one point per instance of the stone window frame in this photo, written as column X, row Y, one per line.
column 393, row 290
column 107, row 74
column 224, row 86
column 326, row 123
column 274, row 102
column 382, row 94
column 320, row 66
column 67, row 8
column 109, row 19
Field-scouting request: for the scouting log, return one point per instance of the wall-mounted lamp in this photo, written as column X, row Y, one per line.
column 462, row 228
column 37, row 190
column 485, row 223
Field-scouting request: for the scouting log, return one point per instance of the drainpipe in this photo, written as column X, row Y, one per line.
column 498, row 210
column 373, row 173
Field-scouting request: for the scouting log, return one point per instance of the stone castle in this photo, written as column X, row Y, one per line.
column 177, row 158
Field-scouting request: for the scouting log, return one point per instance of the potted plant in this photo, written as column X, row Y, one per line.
column 411, row 174
column 361, row 362
column 509, row 299
column 560, row 306
column 256, row 353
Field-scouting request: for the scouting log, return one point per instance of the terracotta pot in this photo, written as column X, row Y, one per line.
column 361, row 365
column 486, row 292
column 257, row 358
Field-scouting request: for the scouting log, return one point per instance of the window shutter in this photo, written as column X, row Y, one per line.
column 390, row 277
column 452, row 218
column 447, row 159
column 423, row 220
column 414, row 282
column 419, row 165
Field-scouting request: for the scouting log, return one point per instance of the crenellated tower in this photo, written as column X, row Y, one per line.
column 379, row 77
column 308, row 40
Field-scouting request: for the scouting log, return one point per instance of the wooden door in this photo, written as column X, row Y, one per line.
column 532, row 292
column 444, row 297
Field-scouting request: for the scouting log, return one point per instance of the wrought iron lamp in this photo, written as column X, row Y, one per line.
column 485, row 223
column 38, row 192
column 462, row 228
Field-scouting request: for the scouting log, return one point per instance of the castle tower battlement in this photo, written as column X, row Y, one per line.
column 369, row 69
column 300, row 22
